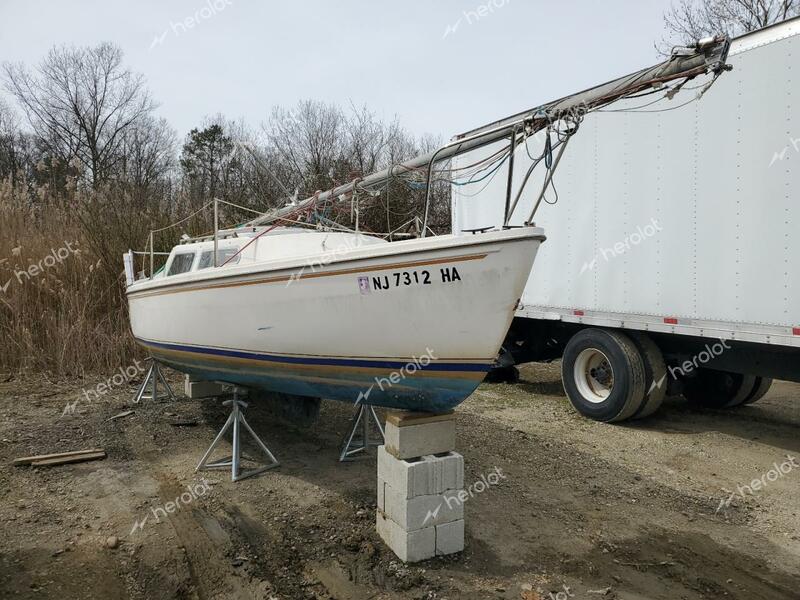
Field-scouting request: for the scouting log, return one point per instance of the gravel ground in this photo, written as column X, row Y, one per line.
column 656, row 509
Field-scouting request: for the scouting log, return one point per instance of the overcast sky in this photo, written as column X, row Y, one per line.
column 441, row 66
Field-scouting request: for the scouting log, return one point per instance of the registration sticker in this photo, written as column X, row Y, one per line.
column 363, row 285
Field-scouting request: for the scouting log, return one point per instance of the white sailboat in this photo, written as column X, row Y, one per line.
column 413, row 324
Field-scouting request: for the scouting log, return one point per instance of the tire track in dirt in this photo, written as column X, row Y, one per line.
column 209, row 553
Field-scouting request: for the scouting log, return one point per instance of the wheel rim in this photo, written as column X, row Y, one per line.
column 593, row 375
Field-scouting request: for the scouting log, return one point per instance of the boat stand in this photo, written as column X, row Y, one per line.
column 352, row 445
column 234, row 462
column 153, row 377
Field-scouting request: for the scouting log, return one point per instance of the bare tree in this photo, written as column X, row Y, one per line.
column 80, row 102
column 691, row 20
column 316, row 146
column 368, row 140
column 238, row 176
column 310, row 139
column 18, row 154
column 148, row 155
column 9, row 161
column 268, row 176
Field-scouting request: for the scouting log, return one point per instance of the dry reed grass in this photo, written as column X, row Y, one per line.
column 62, row 312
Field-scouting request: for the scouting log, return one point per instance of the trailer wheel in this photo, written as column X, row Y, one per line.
column 604, row 375
column 655, row 370
column 718, row 389
column 760, row 390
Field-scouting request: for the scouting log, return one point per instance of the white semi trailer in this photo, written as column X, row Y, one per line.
column 672, row 263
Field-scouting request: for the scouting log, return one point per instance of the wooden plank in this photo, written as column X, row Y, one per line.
column 127, row 413
column 29, row 459
column 405, row 419
column 50, row 462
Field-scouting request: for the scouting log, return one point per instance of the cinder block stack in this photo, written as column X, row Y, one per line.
column 419, row 478
column 197, row 388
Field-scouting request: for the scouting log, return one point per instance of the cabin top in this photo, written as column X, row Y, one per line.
column 259, row 246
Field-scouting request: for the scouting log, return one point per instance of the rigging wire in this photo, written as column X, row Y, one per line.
column 490, row 170
column 201, row 209
column 465, row 195
column 669, row 94
column 636, row 110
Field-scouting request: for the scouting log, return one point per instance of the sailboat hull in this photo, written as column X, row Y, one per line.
column 412, row 325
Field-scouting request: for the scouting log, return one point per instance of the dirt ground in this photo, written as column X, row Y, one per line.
column 652, row 510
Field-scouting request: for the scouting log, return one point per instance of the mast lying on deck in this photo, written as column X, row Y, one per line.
column 707, row 56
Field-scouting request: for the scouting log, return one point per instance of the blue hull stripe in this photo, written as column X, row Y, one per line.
column 335, row 379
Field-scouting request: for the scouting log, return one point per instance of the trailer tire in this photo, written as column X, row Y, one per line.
column 655, row 370
column 760, row 390
column 710, row 388
column 604, row 375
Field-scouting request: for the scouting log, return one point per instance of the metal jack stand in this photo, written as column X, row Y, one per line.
column 236, row 419
column 154, row 376
column 364, row 414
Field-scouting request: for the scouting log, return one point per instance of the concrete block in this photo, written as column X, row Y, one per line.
column 422, row 476
column 409, row 546
column 412, row 435
column 381, row 494
column 450, row 537
column 451, row 466
column 201, row 389
column 420, row 512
